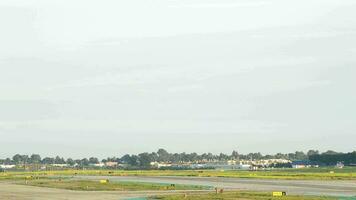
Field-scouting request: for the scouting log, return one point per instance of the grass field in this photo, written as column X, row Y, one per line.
column 70, row 180
column 290, row 174
column 238, row 195
column 91, row 185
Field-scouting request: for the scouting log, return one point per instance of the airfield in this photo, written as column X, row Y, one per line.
column 298, row 187
column 68, row 185
column 10, row 191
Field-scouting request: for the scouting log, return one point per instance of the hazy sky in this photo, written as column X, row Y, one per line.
column 104, row 78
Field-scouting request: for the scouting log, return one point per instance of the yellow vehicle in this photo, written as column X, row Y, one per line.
column 279, row 194
column 104, row 181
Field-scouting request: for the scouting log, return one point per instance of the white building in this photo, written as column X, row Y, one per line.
column 59, row 165
column 111, row 164
column 244, row 166
column 7, row 166
column 159, row 165
column 339, row 165
column 98, row 164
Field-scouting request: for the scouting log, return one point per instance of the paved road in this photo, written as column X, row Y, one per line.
column 334, row 188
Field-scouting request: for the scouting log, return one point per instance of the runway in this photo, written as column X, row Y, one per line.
column 303, row 187
column 11, row 191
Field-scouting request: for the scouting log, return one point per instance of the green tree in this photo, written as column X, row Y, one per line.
column 235, row 155
column 93, row 160
column 163, row 155
column 312, row 152
column 145, row 160
column 17, row 159
column 35, row 158
column 48, row 160
column 300, row 155
column 59, row 160
column 70, row 162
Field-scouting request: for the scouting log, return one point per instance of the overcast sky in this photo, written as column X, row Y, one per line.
column 104, row 78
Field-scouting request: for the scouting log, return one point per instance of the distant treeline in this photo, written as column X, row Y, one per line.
column 332, row 158
column 143, row 160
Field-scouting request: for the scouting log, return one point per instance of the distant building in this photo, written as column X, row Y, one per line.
column 244, row 166
column 222, row 165
column 59, row 165
column 231, row 162
column 123, row 165
column 111, row 164
column 304, row 164
column 339, row 165
column 7, row 166
column 159, row 165
column 97, row 165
